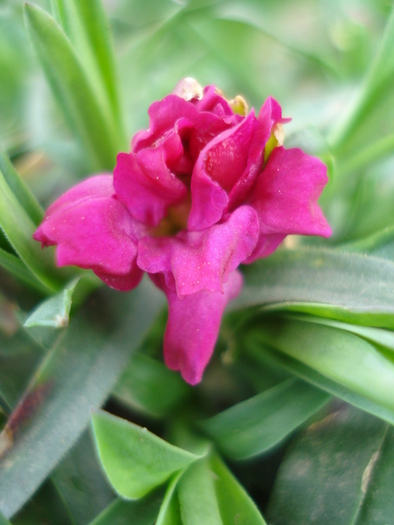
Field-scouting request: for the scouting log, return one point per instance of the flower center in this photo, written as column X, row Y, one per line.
column 276, row 139
column 175, row 220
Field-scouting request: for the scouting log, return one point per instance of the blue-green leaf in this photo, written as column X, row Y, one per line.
column 55, row 311
column 77, row 374
column 346, row 286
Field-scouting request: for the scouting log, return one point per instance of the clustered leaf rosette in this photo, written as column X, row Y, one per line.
column 207, row 187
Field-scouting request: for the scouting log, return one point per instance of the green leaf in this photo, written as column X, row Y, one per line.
column 379, row 244
column 344, row 286
column 19, row 228
column 85, row 24
column 135, row 460
column 170, row 511
column 120, row 512
column 46, row 506
column 55, row 311
column 259, row 352
column 197, row 496
column 338, row 355
column 377, row 482
column 25, row 197
column 81, row 483
column 376, row 89
column 258, row 424
column 378, row 336
column 329, row 473
column 70, row 84
column 19, row 355
column 235, row 504
column 18, row 269
column 78, row 373
column 3, row 520
column 150, row 386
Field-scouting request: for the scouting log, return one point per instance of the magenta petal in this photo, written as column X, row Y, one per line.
column 285, row 195
column 93, row 230
column 219, row 166
column 202, row 260
column 145, row 184
column 269, row 115
column 193, row 326
column 162, row 117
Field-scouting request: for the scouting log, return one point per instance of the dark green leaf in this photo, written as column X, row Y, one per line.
column 329, row 471
column 55, row 311
column 255, row 425
column 77, row 374
column 82, row 484
column 377, row 482
column 46, row 506
column 135, row 460
column 345, row 286
column 70, row 84
column 141, row 512
column 150, row 386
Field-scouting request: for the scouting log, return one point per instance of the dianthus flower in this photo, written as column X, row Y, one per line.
column 207, row 187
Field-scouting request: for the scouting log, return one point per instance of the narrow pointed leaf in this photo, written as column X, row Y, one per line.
column 260, row 352
column 170, row 511
column 72, row 88
column 19, row 228
column 235, row 504
column 135, row 460
column 18, row 269
column 340, row 356
column 329, row 471
column 85, row 24
column 256, row 425
column 55, row 311
column 23, row 194
column 78, row 373
column 345, row 286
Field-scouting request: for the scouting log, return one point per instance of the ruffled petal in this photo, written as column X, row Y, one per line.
column 219, row 166
column 286, row 193
column 162, row 118
column 202, row 260
column 193, row 326
column 270, row 114
column 92, row 229
column 145, row 184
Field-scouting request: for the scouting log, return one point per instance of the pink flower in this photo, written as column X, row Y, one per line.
column 207, row 187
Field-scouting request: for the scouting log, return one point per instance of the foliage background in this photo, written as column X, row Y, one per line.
column 323, row 310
